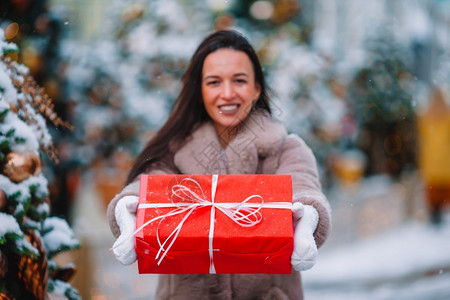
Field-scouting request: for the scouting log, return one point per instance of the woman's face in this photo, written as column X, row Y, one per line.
column 228, row 88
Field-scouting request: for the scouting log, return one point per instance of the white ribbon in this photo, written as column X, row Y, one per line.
column 244, row 214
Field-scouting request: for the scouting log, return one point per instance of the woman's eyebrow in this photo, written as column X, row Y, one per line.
column 241, row 74
column 210, row 77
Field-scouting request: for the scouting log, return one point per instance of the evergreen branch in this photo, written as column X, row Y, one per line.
column 34, row 102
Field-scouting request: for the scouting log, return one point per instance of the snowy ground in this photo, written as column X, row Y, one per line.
column 409, row 262
column 405, row 260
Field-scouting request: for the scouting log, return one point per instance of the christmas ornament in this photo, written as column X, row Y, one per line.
column 11, row 31
column 20, row 166
column 33, row 271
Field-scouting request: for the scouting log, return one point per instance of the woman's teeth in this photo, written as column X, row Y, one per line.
column 229, row 107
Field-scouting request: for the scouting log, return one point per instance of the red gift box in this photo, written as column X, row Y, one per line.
column 214, row 224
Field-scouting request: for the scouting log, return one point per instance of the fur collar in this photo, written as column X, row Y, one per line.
column 259, row 136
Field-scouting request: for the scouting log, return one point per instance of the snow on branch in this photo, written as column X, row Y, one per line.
column 58, row 236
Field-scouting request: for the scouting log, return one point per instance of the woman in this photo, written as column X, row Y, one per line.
column 221, row 124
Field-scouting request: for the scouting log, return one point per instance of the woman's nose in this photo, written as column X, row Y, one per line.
column 227, row 91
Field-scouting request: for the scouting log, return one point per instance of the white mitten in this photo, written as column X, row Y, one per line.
column 125, row 213
column 305, row 248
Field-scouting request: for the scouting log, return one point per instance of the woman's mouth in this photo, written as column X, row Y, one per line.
column 228, row 109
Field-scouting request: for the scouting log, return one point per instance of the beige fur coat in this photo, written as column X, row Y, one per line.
column 262, row 146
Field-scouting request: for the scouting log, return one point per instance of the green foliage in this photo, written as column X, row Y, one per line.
column 4, row 112
column 52, row 265
column 10, row 133
column 63, row 288
column 36, row 214
column 19, row 140
column 57, row 227
column 12, row 198
column 380, row 93
column 4, row 146
column 8, row 48
column 17, row 243
column 62, row 248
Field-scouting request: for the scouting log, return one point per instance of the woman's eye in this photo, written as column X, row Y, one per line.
column 214, row 82
column 241, row 81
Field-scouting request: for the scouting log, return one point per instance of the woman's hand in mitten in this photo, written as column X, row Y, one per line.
column 305, row 248
column 125, row 213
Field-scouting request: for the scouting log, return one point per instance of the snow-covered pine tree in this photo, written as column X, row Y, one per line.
column 29, row 236
column 124, row 81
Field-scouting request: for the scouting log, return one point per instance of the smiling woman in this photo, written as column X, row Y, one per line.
column 229, row 90
column 221, row 124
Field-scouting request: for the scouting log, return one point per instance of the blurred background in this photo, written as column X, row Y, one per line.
column 365, row 83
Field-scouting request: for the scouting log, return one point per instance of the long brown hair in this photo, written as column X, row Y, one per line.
column 188, row 111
